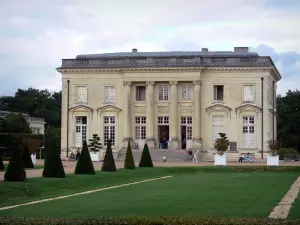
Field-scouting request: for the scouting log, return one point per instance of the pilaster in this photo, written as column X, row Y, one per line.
column 127, row 136
column 150, row 115
column 197, row 143
column 174, row 143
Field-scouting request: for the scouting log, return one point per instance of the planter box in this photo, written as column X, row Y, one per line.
column 33, row 158
column 220, row 160
column 273, row 160
column 95, row 156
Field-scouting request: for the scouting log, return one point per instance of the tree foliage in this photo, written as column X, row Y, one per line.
column 26, row 156
column 274, row 146
column 221, row 144
column 95, row 144
column 84, row 163
column 129, row 161
column 109, row 162
column 1, row 163
column 146, row 160
column 14, row 123
column 15, row 170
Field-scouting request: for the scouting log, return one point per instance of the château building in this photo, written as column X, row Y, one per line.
column 182, row 99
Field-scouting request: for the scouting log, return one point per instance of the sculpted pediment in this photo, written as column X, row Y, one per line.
column 109, row 108
column 81, row 108
column 248, row 108
column 218, row 108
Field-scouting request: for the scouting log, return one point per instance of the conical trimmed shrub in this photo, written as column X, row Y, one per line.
column 146, row 160
column 53, row 167
column 109, row 162
column 1, row 163
column 15, row 170
column 84, row 163
column 129, row 161
column 27, row 162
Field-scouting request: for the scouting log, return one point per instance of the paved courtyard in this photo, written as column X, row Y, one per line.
column 69, row 166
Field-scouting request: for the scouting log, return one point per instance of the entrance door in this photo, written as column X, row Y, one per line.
column 163, row 131
column 186, row 132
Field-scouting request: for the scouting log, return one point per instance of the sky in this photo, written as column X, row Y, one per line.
column 36, row 34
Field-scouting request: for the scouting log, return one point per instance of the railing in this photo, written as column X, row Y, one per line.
column 167, row 62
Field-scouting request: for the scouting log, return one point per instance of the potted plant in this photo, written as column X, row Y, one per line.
column 273, row 158
column 221, row 145
column 94, row 147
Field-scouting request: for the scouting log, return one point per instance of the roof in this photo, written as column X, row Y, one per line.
column 168, row 54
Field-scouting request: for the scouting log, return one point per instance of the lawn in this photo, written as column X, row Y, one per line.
column 295, row 211
column 224, row 194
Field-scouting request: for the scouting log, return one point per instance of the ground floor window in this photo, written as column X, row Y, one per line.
column 249, row 132
column 140, row 128
column 80, row 130
column 218, row 126
column 186, row 132
column 109, row 130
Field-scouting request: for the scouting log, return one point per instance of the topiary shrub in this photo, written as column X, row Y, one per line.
column 53, row 167
column 109, row 162
column 27, row 162
column 221, row 144
column 15, row 170
column 84, row 163
column 1, row 163
column 129, row 161
column 146, row 160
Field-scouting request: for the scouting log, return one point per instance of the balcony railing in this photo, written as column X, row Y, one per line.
column 169, row 62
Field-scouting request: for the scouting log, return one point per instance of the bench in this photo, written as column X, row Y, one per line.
column 251, row 157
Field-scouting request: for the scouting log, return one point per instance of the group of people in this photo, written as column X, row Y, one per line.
column 73, row 156
column 248, row 158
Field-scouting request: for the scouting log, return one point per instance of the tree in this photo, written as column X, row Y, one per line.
column 15, row 123
column 146, row 160
column 53, row 166
column 84, row 164
column 95, row 144
column 221, row 144
column 27, row 162
column 109, row 162
column 129, row 161
column 274, row 146
column 15, row 170
column 1, row 163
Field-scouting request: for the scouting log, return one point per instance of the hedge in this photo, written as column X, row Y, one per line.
column 146, row 221
column 286, row 151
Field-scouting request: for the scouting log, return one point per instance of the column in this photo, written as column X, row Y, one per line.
column 174, row 143
column 127, row 114
column 150, row 115
column 197, row 115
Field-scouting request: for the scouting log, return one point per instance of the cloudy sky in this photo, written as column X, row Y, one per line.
column 36, row 34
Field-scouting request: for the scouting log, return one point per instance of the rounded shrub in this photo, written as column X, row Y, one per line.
column 84, row 163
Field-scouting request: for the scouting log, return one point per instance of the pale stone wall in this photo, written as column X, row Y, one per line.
column 201, row 108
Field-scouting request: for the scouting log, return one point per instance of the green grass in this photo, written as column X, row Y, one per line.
column 35, row 167
column 294, row 213
column 191, row 192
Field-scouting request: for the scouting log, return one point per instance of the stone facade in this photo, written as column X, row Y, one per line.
column 186, row 98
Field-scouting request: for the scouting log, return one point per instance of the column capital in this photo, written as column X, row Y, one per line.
column 127, row 83
column 197, row 82
column 173, row 82
column 150, row 82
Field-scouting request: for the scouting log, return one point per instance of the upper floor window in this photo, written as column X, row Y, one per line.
column 81, row 94
column 109, row 94
column 188, row 60
column 248, row 93
column 186, row 93
column 163, row 93
column 140, row 93
column 218, row 93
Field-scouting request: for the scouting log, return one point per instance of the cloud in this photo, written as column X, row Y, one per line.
column 35, row 36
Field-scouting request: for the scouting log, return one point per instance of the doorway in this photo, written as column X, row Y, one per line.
column 186, row 132
column 163, row 136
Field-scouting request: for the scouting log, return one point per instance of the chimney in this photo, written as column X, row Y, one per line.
column 134, row 50
column 241, row 49
column 204, row 49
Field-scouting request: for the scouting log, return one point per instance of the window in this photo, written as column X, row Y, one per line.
column 80, row 130
column 109, row 130
column 81, row 95
column 38, row 130
column 109, row 94
column 248, row 91
column 218, row 93
column 163, row 120
column 186, row 93
column 163, row 93
column 218, row 126
column 248, row 132
column 140, row 128
column 188, row 60
column 140, row 93
column 187, row 122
